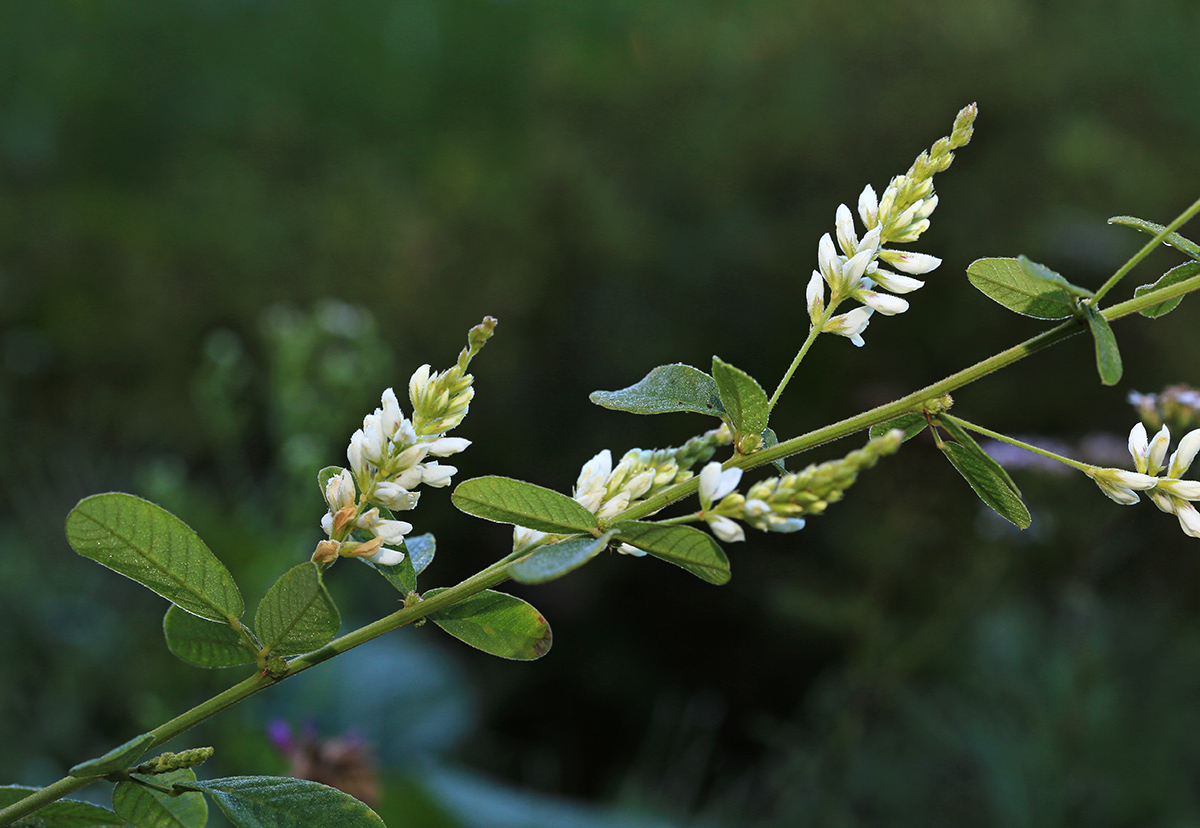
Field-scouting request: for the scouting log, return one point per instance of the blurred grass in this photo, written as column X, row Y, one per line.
column 184, row 187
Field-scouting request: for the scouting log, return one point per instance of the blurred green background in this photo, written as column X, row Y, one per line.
column 226, row 225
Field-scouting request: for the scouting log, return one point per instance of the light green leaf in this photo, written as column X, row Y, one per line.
column 496, row 623
column 277, row 802
column 147, row 543
column 1022, row 288
column 666, row 389
column 911, row 424
column 204, row 643
column 148, row 808
column 421, row 549
column 119, row 758
column 991, row 488
column 326, row 474
column 1180, row 243
column 1108, row 357
column 964, row 439
column 557, row 559
column 683, row 546
column 742, row 397
column 504, row 500
column 1173, row 276
column 418, row 553
column 770, row 440
column 297, row 615
column 64, row 813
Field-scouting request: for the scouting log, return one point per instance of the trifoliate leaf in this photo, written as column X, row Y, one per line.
column 683, row 546
column 496, row 623
column 1108, row 357
column 147, row 543
column 504, row 500
column 1180, row 243
column 204, row 643
column 666, row 389
column 992, row 489
column 1024, row 287
column 1172, row 277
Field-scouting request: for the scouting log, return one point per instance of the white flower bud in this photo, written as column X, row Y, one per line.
column 390, row 416
column 395, row 497
column 386, row 557
column 885, row 303
column 916, row 264
column 726, row 529
column 847, row 238
column 895, row 282
column 445, row 446
column 1182, row 459
column 437, row 476
column 815, row 296
column 868, row 207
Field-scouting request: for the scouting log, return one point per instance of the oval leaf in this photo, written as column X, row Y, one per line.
column 418, row 553
column 147, row 543
column 148, row 808
column 1180, row 243
column 499, row 624
column 204, row 643
column 557, row 559
column 911, row 424
column 117, row 759
column 991, row 488
column 277, row 802
column 1172, row 277
column 504, row 500
column 683, row 546
column 742, row 397
column 297, row 615
column 666, row 389
column 63, row 813
column 1108, row 357
column 1022, row 290
column 968, row 442
column 421, row 549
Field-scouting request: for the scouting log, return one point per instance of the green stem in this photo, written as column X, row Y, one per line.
column 1003, row 438
column 1179, row 221
column 813, row 333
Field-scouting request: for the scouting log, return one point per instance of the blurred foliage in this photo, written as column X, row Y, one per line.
column 225, row 225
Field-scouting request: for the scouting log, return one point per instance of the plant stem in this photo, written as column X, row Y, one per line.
column 813, row 332
column 1003, row 438
column 1179, row 221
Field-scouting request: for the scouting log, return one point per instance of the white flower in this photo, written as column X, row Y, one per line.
column 726, row 529
column 390, row 416
column 1169, row 493
column 388, row 531
column 339, row 491
column 814, row 295
column 916, row 264
column 885, row 303
column 850, row 325
column 592, row 485
column 626, row 549
column 715, row 483
column 386, row 557
column 1122, row 486
column 445, row 446
column 395, row 497
column 436, row 475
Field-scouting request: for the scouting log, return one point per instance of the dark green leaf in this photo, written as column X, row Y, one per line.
column 147, row 543
column 402, row 575
column 683, row 546
column 911, row 424
column 991, row 488
column 968, row 442
column 742, row 398
column 64, row 813
column 557, row 559
column 1041, row 273
column 117, row 759
column 666, row 389
column 1180, row 243
column 1173, row 276
column 147, row 808
column 204, row 643
column 1021, row 290
column 277, row 802
column 504, row 500
column 499, row 624
column 297, row 615
column 1108, row 357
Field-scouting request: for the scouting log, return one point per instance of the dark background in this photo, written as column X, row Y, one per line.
column 227, row 225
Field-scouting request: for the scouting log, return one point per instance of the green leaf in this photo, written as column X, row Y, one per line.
column 1108, row 357
column 770, row 440
column 1024, row 287
column 204, row 643
column 148, row 808
column 557, row 559
column 666, row 389
column 63, row 813
column 964, row 439
column 1180, row 243
column 147, row 543
column 421, row 549
column 499, row 624
column 911, row 424
column 418, row 552
column 504, row 500
column 117, row 759
column 277, row 802
column 742, row 397
column 683, row 546
column 1173, row 276
column 991, row 488
column 326, row 474
column 297, row 615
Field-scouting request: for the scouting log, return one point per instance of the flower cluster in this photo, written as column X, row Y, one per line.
column 778, row 503
column 606, row 490
column 900, row 216
column 389, row 458
column 1158, row 479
